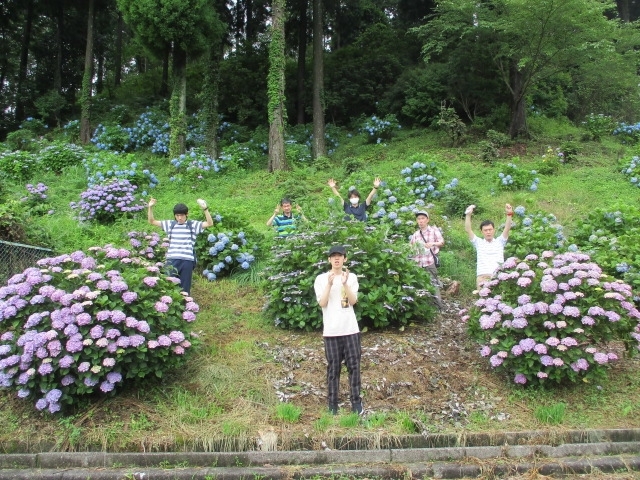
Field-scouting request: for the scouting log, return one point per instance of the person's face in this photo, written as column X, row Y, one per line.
column 337, row 260
column 180, row 218
column 423, row 221
column 488, row 231
column 286, row 208
column 354, row 199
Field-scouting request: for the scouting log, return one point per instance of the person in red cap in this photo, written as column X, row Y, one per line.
column 426, row 243
column 337, row 293
column 181, row 254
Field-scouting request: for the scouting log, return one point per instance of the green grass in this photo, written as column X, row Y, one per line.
column 552, row 414
column 288, row 412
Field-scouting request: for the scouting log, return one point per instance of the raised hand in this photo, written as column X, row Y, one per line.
column 331, row 183
column 345, row 276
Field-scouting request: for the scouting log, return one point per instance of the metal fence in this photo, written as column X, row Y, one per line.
column 16, row 257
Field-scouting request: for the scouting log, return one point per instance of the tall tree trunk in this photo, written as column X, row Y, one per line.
column 117, row 77
column 24, row 59
column 250, row 23
column 210, row 104
column 164, row 83
column 518, row 126
column 318, row 146
column 275, row 89
column 85, row 95
column 302, row 55
column 58, row 14
column 100, row 69
column 623, row 10
column 178, row 104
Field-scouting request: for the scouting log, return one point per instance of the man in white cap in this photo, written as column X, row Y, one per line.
column 426, row 243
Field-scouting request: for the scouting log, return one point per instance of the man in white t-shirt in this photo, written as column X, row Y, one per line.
column 489, row 250
column 337, row 293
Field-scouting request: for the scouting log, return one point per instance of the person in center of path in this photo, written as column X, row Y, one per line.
column 353, row 208
column 337, row 293
column 426, row 243
column 285, row 223
column 489, row 250
column 181, row 254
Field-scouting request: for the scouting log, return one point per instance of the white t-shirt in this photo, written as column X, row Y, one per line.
column 337, row 321
column 490, row 255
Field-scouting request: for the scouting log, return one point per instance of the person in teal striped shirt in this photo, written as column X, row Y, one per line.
column 286, row 222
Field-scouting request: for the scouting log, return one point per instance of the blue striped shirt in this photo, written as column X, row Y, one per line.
column 181, row 239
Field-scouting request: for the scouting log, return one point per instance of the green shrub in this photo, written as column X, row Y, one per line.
column 19, row 165
column 394, row 291
column 249, row 155
column 599, row 126
column 457, row 198
column 84, row 323
column 59, row 155
column 22, row 140
column 450, row 123
column 548, row 318
column 548, row 165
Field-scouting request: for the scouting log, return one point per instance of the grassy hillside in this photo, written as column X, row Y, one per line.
column 426, row 379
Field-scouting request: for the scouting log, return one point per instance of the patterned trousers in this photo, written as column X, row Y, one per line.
column 338, row 349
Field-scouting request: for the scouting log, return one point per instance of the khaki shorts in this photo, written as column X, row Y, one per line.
column 480, row 279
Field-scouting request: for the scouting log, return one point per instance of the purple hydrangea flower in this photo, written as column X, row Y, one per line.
column 161, row 307
column 520, row 378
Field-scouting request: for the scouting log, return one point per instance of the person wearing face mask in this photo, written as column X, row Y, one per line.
column 354, row 209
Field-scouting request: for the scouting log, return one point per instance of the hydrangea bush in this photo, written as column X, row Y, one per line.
column 104, row 203
column 549, row 319
column 378, row 129
column 231, row 245
column 513, row 178
column 193, row 167
column 60, row 155
column 19, row 165
column 148, row 245
column 105, row 166
column 90, row 322
column 627, row 133
column 422, row 178
column 632, row 170
column 394, row 291
column 611, row 238
column 36, row 199
column 534, row 233
column 149, row 132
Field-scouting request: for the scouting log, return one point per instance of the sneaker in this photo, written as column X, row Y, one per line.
column 357, row 408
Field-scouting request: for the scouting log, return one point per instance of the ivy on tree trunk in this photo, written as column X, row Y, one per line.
column 275, row 89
